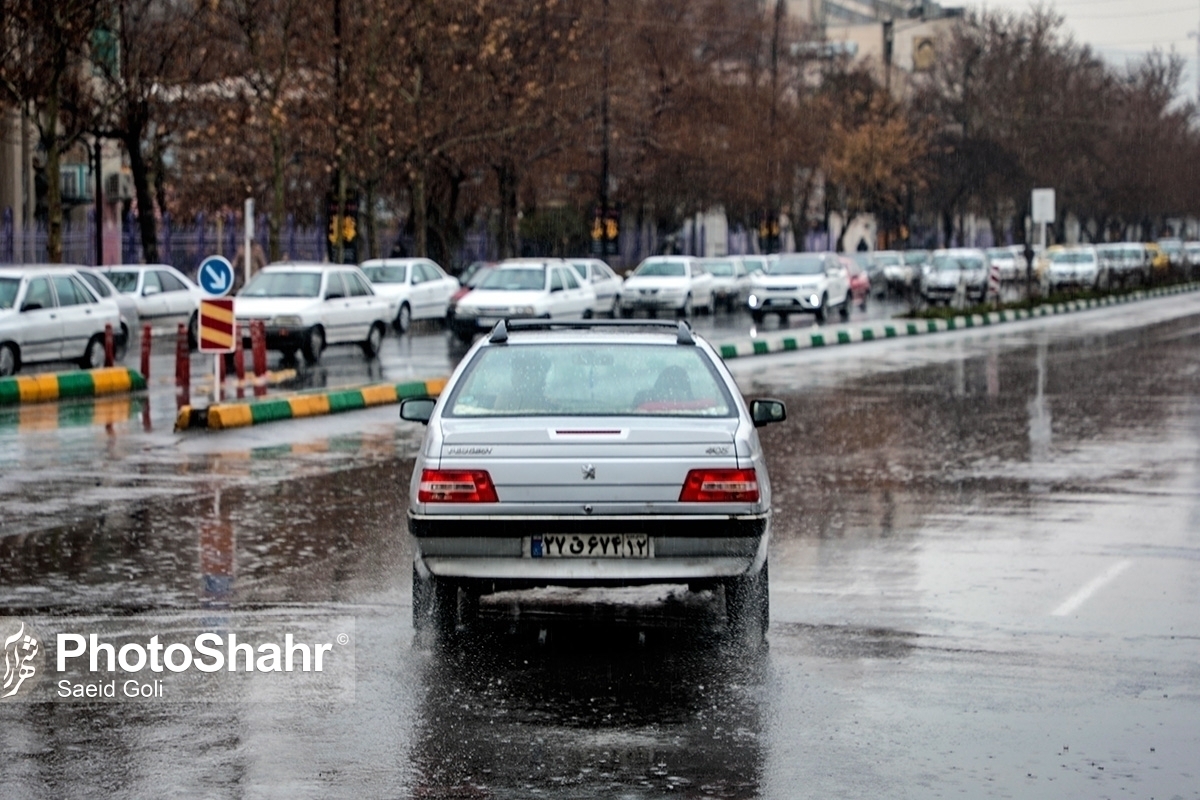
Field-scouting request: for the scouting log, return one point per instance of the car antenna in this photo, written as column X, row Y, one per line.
column 685, row 334
column 499, row 333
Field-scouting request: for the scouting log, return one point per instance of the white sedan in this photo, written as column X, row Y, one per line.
column 47, row 313
column 163, row 294
column 416, row 287
column 605, row 282
column 668, row 283
column 545, row 288
column 308, row 306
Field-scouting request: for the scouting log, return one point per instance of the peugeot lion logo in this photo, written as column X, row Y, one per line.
column 589, row 472
column 21, row 650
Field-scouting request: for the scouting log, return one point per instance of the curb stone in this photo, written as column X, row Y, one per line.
column 782, row 342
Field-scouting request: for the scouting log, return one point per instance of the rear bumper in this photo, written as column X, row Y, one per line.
column 499, row 556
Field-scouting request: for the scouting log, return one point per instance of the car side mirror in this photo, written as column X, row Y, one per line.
column 30, row 307
column 417, row 409
column 334, row 296
column 764, row 412
column 151, row 290
column 555, row 289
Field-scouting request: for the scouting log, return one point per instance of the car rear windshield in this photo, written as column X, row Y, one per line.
column 662, row 269
column 386, row 274
column 95, row 283
column 8, row 291
column 803, row 265
column 515, row 279
column 1072, row 257
column 126, row 282
column 722, row 269
column 283, row 284
column 948, row 262
column 591, row 379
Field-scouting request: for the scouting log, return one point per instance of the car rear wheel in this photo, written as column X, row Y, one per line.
column 403, row 318
column 10, row 361
column 687, row 309
column 748, row 604
column 314, row 346
column 823, row 309
column 373, row 341
column 844, row 308
column 93, row 354
column 194, row 331
column 757, row 316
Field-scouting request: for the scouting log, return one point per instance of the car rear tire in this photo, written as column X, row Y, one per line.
column 757, row 316
column 194, row 332
column 822, row 312
column 314, row 346
column 373, row 341
column 403, row 318
column 844, row 308
column 687, row 309
column 435, row 605
column 10, row 360
column 93, row 354
column 748, row 604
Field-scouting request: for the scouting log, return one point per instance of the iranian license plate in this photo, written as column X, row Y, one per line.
column 589, row 545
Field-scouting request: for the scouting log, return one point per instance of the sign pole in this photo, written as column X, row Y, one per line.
column 217, row 386
column 248, row 234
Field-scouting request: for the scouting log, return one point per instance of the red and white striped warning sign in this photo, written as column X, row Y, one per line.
column 217, row 326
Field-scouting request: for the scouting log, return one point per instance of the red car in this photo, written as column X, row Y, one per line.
column 860, row 284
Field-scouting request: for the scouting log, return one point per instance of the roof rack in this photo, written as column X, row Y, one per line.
column 499, row 334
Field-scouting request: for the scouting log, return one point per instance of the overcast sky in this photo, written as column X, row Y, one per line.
column 1124, row 29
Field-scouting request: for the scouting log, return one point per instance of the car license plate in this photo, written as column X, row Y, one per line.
column 589, row 545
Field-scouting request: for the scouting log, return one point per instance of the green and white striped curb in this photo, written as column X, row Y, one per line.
column 783, row 342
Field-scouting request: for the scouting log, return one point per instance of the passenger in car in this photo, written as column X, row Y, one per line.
column 528, row 385
column 671, row 386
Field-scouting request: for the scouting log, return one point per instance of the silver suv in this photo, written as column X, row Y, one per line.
column 589, row 453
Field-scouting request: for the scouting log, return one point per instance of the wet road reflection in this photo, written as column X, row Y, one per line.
column 936, row 501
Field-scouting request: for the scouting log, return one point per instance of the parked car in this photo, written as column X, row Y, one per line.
column 522, row 288
column 754, row 264
column 48, row 314
column 308, row 306
column 102, row 287
column 605, row 283
column 163, row 294
column 1071, row 268
column 594, row 453
column 860, row 284
column 1122, row 264
column 1010, row 260
column 1159, row 262
column 873, row 268
column 952, row 270
column 416, row 287
column 801, row 283
column 1173, row 248
column 898, row 276
column 668, row 283
column 731, row 281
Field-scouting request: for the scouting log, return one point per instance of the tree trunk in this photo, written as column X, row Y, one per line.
column 54, row 210
column 420, row 209
column 506, row 178
column 275, row 220
column 147, row 224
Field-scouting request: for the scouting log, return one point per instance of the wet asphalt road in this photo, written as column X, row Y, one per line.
column 985, row 583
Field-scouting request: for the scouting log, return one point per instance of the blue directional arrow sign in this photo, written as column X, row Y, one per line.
column 216, row 275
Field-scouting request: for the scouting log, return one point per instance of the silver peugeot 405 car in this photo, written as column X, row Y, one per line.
column 589, row 453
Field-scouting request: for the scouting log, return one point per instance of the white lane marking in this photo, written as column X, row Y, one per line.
column 1090, row 588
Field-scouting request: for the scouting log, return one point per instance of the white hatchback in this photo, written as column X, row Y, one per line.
column 523, row 288
column 48, row 313
column 416, row 287
column 307, row 306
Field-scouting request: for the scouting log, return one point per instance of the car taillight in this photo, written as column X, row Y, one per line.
column 720, row 486
column 456, row 486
